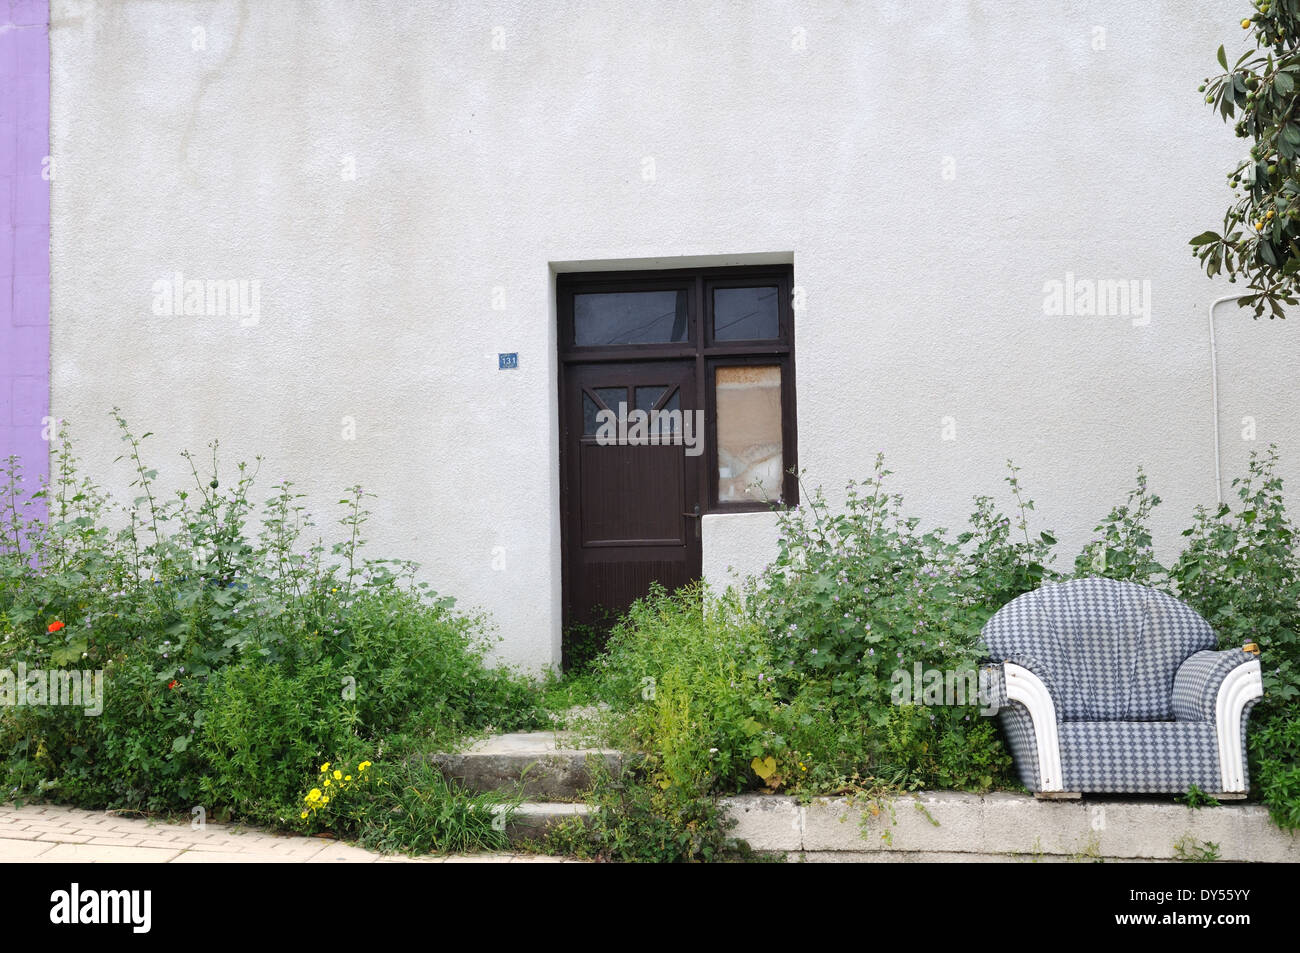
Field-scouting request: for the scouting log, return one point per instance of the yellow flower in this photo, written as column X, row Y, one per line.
column 363, row 765
column 324, row 767
column 304, row 813
column 338, row 775
column 327, row 782
column 348, row 778
column 313, row 795
column 325, row 800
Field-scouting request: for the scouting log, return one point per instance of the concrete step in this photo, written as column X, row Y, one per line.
column 933, row 825
column 532, row 819
column 544, row 765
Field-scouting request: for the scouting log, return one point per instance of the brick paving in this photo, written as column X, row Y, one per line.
column 51, row 833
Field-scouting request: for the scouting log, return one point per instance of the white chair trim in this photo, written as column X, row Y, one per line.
column 1027, row 688
column 1243, row 684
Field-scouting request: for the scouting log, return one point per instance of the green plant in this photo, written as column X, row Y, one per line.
column 414, row 809
column 921, row 809
column 1188, row 848
column 415, row 664
column 1124, row 549
column 262, row 724
column 583, row 642
column 690, row 681
column 857, row 601
column 233, row 658
column 1088, row 851
column 1196, row 799
column 1275, row 762
column 1260, row 229
column 637, row 818
column 1036, row 853
column 1006, row 565
column 855, row 593
column 972, row 757
column 1241, row 571
column 878, row 806
column 571, row 700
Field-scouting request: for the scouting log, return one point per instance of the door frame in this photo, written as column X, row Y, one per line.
column 706, row 354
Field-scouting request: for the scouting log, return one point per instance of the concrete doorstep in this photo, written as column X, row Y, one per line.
column 954, row 826
column 541, row 765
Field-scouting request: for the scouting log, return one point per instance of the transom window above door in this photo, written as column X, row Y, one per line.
column 737, row 325
column 613, row 318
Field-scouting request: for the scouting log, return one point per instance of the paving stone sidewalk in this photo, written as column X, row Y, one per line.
column 44, row 833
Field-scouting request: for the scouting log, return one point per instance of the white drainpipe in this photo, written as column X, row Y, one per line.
column 1214, row 396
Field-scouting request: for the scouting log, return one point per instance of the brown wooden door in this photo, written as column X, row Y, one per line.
column 630, row 499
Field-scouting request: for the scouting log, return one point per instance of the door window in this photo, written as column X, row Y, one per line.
column 750, row 455
column 614, row 319
column 737, row 324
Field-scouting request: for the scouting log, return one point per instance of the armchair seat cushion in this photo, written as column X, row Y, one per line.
column 1139, row 757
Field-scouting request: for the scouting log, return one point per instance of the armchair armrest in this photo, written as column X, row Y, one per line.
column 1015, row 683
column 996, row 682
column 1221, row 688
column 1199, row 679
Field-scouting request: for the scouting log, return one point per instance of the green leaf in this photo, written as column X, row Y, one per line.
column 1223, row 58
column 1205, row 238
column 1048, row 538
column 65, row 654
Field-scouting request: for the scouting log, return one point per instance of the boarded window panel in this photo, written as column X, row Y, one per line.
column 629, row 317
column 749, row 433
column 745, row 314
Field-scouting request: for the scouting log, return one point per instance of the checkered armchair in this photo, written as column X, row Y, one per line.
column 1107, row 686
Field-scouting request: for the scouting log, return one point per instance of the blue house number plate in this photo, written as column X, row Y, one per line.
column 508, row 362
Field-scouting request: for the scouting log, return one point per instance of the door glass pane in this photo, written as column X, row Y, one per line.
column 669, row 423
column 745, row 314
column 749, row 433
column 647, row 397
column 629, row 317
column 611, row 396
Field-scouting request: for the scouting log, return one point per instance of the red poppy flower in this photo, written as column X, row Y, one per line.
column 55, row 626
column 173, row 683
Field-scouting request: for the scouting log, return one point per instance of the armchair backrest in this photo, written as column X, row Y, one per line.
column 1109, row 650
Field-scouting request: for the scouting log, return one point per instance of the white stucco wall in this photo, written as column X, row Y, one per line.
column 477, row 169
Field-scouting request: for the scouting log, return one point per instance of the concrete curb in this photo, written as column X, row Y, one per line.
column 954, row 825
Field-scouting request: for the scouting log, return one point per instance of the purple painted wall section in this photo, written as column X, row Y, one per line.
column 24, row 233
